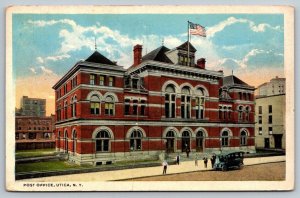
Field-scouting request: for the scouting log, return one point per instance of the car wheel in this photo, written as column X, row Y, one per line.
column 224, row 168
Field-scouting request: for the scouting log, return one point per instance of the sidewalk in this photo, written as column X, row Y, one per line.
column 187, row 166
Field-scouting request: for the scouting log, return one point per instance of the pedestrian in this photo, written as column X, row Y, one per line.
column 196, row 160
column 205, row 162
column 213, row 160
column 165, row 166
column 177, row 159
column 187, row 152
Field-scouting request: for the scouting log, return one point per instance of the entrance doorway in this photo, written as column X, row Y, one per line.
column 170, row 142
column 267, row 142
column 278, row 141
column 185, row 141
column 199, row 141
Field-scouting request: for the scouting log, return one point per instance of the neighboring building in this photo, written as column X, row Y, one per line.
column 276, row 86
column 32, row 107
column 164, row 103
column 270, row 115
column 34, row 132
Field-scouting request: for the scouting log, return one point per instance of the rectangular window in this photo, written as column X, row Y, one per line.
column 259, row 119
column 65, row 89
column 240, row 95
column 32, row 136
column 127, row 107
column 270, row 119
column 17, row 136
column 111, row 81
column 135, row 83
column 270, row 108
column 95, row 106
column 92, row 79
column 270, row 130
column 101, row 80
column 260, row 130
column 259, row 109
column 135, row 107
column 143, row 107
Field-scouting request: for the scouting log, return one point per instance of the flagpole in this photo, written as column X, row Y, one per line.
column 188, row 54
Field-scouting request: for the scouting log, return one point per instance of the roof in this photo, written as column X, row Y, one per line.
column 158, row 55
column 96, row 57
column 233, row 80
column 184, row 46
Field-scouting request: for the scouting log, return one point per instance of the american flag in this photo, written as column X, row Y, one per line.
column 196, row 29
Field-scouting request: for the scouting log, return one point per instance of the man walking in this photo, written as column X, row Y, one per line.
column 165, row 166
column 177, row 159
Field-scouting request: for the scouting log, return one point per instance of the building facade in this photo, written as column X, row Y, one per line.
column 32, row 107
column 164, row 103
column 270, row 115
column 34, row 132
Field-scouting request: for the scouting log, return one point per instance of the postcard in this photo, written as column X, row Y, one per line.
column 149, row 98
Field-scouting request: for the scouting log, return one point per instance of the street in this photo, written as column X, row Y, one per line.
column 261, row 172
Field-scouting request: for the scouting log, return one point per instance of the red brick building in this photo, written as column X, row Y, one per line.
column 34, row 132
column 164, row 103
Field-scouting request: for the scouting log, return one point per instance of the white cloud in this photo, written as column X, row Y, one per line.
column 32, row 70
column 211, row 31
column 59, row 57
column 40, row 60
column 259, row 56
column 45, row 70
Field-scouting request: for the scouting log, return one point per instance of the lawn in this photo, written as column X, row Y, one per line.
column 34, row 153
column 64, row 165
column 47, row 166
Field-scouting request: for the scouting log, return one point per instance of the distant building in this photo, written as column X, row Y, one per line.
column 270, row 115
column 274, row 87
column 165, row 103
column 32, row 107
column 34, row 132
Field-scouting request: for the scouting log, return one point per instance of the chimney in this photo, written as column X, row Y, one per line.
column 201, row 63
column 137, row 54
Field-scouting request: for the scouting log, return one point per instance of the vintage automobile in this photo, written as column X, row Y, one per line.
column 229, row 160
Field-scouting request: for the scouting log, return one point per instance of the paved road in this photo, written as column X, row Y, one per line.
column 260, row 172
column 184, row 167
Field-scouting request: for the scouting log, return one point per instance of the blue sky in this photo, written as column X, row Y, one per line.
column 46, row 46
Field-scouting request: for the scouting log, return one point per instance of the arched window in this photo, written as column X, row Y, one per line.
column 185, row 140
column 58, row 113
column 247, row 112
column 200, row 101
column 102, row 141
column 109, row 105
column 240, row 113
column 95, row 105
column 243, row 138
column 225, row 139
column 73, row 106
column 74, row 136
column 66, row 110
column 185, row 102
column 200, row 140
column 136, row 140
column 170, row 102
column 66, row 142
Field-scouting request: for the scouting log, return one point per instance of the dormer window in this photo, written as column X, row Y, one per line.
column 135, row 83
